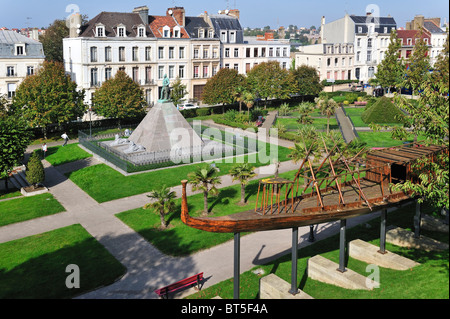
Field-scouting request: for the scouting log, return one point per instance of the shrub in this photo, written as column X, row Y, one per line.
column 35, row 170
column 382, row 112
column 203, row 112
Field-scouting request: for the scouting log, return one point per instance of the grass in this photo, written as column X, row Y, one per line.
column 58, row 155
column 181, row 240
column 380, row 139
column 11, row 193
column 319, row 123
column 25, row 208
column 113, row 185
column 35, row 267
column 430, row 280
column 355, row 115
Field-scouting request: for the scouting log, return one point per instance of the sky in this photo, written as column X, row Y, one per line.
column 254, row 13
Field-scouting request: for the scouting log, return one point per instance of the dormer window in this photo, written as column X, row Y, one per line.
column 121, row 31
column 141, row 32
column 166, row 32
column 20, row 49
column 232, row 36
column 177, row 32
column 100, row 31
column 201, row 33
column 211, row 33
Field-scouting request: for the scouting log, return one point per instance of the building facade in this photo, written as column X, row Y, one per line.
column 20, row 56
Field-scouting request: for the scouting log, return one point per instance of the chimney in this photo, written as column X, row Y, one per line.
column 178, row 14
column 234, row 13
column 143, row 13
column 74, row 24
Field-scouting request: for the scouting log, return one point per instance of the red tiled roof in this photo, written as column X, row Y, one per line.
column 157, row 23
column 411, row 34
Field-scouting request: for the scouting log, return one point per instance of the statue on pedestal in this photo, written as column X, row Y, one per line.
column 165, row 92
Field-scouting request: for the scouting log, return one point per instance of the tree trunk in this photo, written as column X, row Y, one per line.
column 328, row 125
column 240, row 107
column 161, row 216
column 242, row 194
column 205, row 203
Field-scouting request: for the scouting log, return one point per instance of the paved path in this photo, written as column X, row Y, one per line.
column 147, row 268
column 346, row 125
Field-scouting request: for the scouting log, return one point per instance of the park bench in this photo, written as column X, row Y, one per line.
column 187, row 282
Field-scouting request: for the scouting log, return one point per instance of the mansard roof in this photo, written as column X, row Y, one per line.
column 193, row 24
column 388, row 21
column 111, row 20
column 157, row 23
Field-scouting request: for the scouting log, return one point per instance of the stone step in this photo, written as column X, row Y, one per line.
column 404, row 238
column 273, row 287
column 324, row 270
column 370, row 254
column 22, row 177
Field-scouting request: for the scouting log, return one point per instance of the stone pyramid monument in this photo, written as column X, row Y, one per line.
column 154, row 132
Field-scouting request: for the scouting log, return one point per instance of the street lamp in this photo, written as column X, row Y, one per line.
column 90, row 121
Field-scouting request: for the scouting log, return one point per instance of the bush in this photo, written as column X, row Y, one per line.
column 203, row 112
column 382, row 112
column 35, row 170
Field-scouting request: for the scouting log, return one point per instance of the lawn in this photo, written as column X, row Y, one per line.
column 319, row 123
column 430, row 280
column 35, row 267
column 58, row 155
column 181, row 240
column 25, row 208
column 355, row 115
column 380, row 139
column 12, row 192
column 113, row 185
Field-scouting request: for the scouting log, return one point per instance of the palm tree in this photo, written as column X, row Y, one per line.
column 164, row 202
column 328, row 108
column 201, row 179
column 239, row 95
column 304, row 118
column 242, row 172
column 249, row 100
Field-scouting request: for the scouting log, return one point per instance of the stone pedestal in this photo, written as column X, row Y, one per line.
column 370, row 254
column 403, row 238
column 324, row 270
column 273, row 287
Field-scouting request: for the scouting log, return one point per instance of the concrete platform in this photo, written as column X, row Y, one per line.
column 403, row 238
column 273, row 287
column 368, row 253
column 430, row 223
column 324, row 270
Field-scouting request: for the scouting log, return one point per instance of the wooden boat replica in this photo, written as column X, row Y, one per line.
column 338, row 189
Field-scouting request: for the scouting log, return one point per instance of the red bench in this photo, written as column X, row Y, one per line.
column 165, row 291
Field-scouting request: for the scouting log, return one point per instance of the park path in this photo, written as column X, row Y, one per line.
column 346, row 125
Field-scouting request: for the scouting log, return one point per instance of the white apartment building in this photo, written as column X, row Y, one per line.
column 20, row 56
column 332, row 61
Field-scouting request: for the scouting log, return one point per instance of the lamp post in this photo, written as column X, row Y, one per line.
column 90, row 121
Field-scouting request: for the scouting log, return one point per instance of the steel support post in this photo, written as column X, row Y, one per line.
column 237, row 261
column 342, row 246
column 417, row 219
column 311, row 234
column 383, row 232
column 294, row 289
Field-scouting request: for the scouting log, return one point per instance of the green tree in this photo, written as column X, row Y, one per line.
column 220, row 89
column 269, row 80
column 239, row 95
column 35, row 172
column 52, row 40
column 119, row 97
column 391, row 69
column 14, row 139
column 328, row 108
column 163, row 203
column 307, row 80
column 418, row 65
column 178, row 91
column 242, row 172
column 305, row 109
column 202, row 179
column 49, row 97
column 441, row 67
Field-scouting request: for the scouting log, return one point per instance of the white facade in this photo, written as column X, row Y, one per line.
column 332, row 61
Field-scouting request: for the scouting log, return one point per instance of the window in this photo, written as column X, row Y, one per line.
column 263, row 52
column 121, row 54
column 166, row 32
column 350, row 61
column 148, row 53
column 177, row 32
column 343, row 61
column 201, row 33
column 181, row 53
column 93, row 54
column 171, row 53
column 148, row 75
column 108, row 73
column 255, row 52
column 10, row 71
column 160, row 72
column 205, row 71
column 136, row 74
column 236, row 67
column 247, row 53
column 359, row 29
column 20, row 50
column 358, row 56
column 196, row 69
column 30, row 70
column 329, row 62
column 160, row 52
column 121, row 32
column 236, row 53
column 141, row 32
column 233, row 37
column 211, row 33
column 171, row 71
column 385, row 30
column 94, row 77
column 369, row 43
column 181, row 71
column 108, row 54
column 409, row 41
column 100, row 31
column 227, row 52
column 284, row 52
column 284, row 66
column 11, row 90
column 369, row 56
column 135, row 54
column 247, row 67
column 196, row 53
column 205, row 53
column 336, row 62
column 278, row 52
column 271, row 52
column 223, row 36
column 214, row 70
column 358, row 43
column 215, row 54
